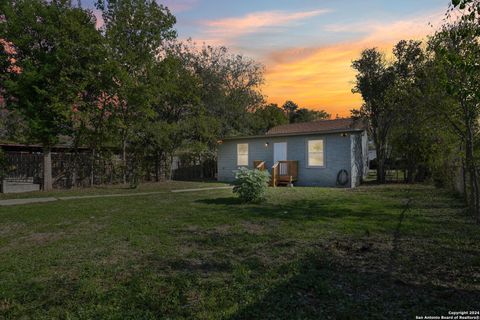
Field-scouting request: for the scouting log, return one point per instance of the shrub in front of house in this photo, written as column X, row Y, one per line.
column 251, row 185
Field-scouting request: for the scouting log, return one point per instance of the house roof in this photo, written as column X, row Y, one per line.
column 308, row 128
column 319, row 126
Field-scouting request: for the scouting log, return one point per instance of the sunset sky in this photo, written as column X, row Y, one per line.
column 307, row 45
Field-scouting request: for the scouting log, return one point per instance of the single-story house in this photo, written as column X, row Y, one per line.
column 325, row 153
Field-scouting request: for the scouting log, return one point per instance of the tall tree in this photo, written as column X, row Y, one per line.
column 295, row 114
column 267, row 117
column 457, row 52
column 179, row 110
column 58, row 54
column 470, row 9
column 411, row 135
column 373, row 80
column 135, row 31
column 307, row 115
column 290, row 108
column 230, row 84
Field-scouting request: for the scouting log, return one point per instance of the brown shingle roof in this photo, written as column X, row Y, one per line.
column 319, row 126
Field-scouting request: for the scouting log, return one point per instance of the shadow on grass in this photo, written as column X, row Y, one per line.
column 313, row 210
column 325, row 289
column 381, row 210
column 221, row 201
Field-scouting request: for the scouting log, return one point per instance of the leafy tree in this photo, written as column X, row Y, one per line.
column 267, row 117
column 181, row 120
column 290, row 108
column 373, row 80
column 307, row 115
column 135, row 31
column 58, row 51
column 456, row 49
column 411, row 134
column 230, row 85
column 296, row 114
column 12, row 126
column 471, row 8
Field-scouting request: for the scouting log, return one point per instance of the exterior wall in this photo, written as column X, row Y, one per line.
column 337, row 156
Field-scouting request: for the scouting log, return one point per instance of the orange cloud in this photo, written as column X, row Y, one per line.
column 322, row 77
column 318, row 78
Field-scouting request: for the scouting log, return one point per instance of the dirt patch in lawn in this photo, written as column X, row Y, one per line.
column 8, row 229
column 43, row 238
column 253, row 228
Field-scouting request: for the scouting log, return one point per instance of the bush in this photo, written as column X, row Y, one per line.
column 251, row 185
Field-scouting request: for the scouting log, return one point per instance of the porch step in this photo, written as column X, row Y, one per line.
column 19, row 187
column 285, row 183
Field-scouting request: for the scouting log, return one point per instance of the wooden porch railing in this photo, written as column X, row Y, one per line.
column 259, row 165
column 284, row 172
column 275, row 170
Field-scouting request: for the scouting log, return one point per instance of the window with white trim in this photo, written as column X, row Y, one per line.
column 242, row 154
column 315, row 157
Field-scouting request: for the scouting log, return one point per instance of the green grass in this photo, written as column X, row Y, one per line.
column 112, row 189
column 306, row 253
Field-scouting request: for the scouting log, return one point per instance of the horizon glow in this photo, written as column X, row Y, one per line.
column 307, row 46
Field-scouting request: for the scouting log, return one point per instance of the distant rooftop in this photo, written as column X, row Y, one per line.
column 319, row 126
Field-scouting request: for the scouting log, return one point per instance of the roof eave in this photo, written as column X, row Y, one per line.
column 273, row 135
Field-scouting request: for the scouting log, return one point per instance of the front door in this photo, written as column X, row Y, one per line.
column 279, row 151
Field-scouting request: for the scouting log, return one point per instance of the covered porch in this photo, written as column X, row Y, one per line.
column 282, row 172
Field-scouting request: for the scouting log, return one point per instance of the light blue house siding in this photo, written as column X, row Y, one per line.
column 341, row 152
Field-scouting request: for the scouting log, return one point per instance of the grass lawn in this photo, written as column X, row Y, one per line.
column 113, row 189
column 307, row 253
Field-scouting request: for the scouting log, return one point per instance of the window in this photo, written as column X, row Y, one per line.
column 242, row 154
column 315, row 153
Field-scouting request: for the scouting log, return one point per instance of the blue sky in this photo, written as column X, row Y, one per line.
column 306, row 45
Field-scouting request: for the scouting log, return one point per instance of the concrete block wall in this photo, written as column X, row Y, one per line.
column 18, row 187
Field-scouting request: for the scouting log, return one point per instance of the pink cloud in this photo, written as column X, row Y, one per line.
column 99, row 19
column 222, row 30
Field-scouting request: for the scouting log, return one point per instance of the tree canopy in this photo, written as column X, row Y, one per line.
column 128, row 86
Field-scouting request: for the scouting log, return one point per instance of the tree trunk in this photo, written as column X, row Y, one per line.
column 124, row 159
column 473, row 181
column 464, row 181
column 47, row 169
column 200, row 165
column 411, row 173
column 380, row 167
column 92, row 169
column 169, row 167
column 381, row 155
column 157, row 167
